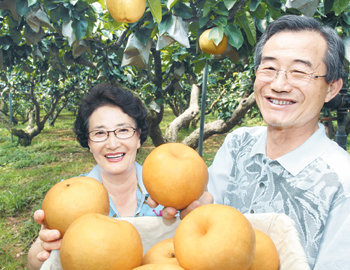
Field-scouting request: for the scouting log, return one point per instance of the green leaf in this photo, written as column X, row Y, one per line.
column 347, row 48
column 220, row 21
column 216, row 34
column 276, row 4
column 328, row 5
column 247, row 23
column 260, row 12
column 22, row 7
column 103, row 4
column 182, row 10
column 60, row 13
column 339, row 6
column 156, row 10
column 274, row 13
column 143, row 35
column 80, row 28
column 346, row 17
column 73, row 2
column 203, row 21
column 229, row 3
column 32, row 2
column 1, row 60
column 51, row 6
column 199, row 65
column 234, row 36
column 220, row 9
column 221, row 12
column 165, row 24
column 208, row 6
column 254, row 4
column 15, row 35
column 171, row 3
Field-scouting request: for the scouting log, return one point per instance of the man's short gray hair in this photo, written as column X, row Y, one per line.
column 335, row 55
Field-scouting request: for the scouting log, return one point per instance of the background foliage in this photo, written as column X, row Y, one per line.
column 52, row 52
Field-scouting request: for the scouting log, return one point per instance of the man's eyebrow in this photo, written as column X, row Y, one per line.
column 301, row 61
column 267, row 58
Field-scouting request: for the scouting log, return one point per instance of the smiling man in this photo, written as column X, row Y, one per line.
column 290, row 166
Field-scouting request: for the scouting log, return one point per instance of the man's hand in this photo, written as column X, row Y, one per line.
column 170, row 212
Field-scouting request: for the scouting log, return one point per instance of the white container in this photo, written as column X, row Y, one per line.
column 279, row 227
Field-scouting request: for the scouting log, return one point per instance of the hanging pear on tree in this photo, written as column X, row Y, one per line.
column 126, row 11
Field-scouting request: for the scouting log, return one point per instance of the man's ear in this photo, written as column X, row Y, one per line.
column 333, row 89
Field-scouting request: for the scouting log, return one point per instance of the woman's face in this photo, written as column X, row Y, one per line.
column 114, row 156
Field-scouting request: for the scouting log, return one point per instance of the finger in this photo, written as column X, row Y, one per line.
column 189, row 208
column 47, row 235
column 169, row 212
column 43, row 255
column 48, row 246
column 152, row 203
column 206, row 198
column 39, row 216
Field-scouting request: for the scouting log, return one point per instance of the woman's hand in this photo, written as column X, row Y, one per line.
column 49, row 239
column 170, row 212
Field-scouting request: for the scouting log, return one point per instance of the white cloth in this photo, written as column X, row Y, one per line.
column 279, row 227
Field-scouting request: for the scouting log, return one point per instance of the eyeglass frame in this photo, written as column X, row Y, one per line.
column 115, row 133
column 310, row 75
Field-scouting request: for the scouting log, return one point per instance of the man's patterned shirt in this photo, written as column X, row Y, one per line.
column 309, row 184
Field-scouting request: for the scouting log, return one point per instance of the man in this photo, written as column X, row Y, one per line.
column 291, row 166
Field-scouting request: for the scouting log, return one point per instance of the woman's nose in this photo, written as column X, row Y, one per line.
column 112, row 140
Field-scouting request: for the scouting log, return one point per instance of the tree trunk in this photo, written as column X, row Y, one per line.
column 153, row 120
column 24, row 138
column 221, row 126
column 58, row 112
column 185, row 118
column 35, row 123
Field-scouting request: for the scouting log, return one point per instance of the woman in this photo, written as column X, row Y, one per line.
column 111, row 123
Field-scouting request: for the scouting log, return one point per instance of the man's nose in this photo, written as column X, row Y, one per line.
column 280, row 82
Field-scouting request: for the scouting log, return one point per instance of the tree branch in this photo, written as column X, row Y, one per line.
column 183, row 119
column 221, row 126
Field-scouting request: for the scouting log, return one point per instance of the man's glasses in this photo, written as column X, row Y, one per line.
column 295, row 77
column 100, row 135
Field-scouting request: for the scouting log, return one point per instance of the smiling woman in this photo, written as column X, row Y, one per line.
column 111, row 123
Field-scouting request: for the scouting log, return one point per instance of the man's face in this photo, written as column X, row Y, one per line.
column 285, row 104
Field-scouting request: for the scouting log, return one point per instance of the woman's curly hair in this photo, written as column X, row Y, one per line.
column 106, row 94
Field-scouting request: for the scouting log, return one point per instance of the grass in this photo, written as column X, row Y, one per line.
column 27, row 173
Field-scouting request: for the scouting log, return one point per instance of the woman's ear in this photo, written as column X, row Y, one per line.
column 333, row 89
column 139, row 141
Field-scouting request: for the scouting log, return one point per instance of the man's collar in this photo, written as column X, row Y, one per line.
column 296, row 160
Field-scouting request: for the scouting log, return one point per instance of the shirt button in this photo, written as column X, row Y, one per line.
column 252, row 211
